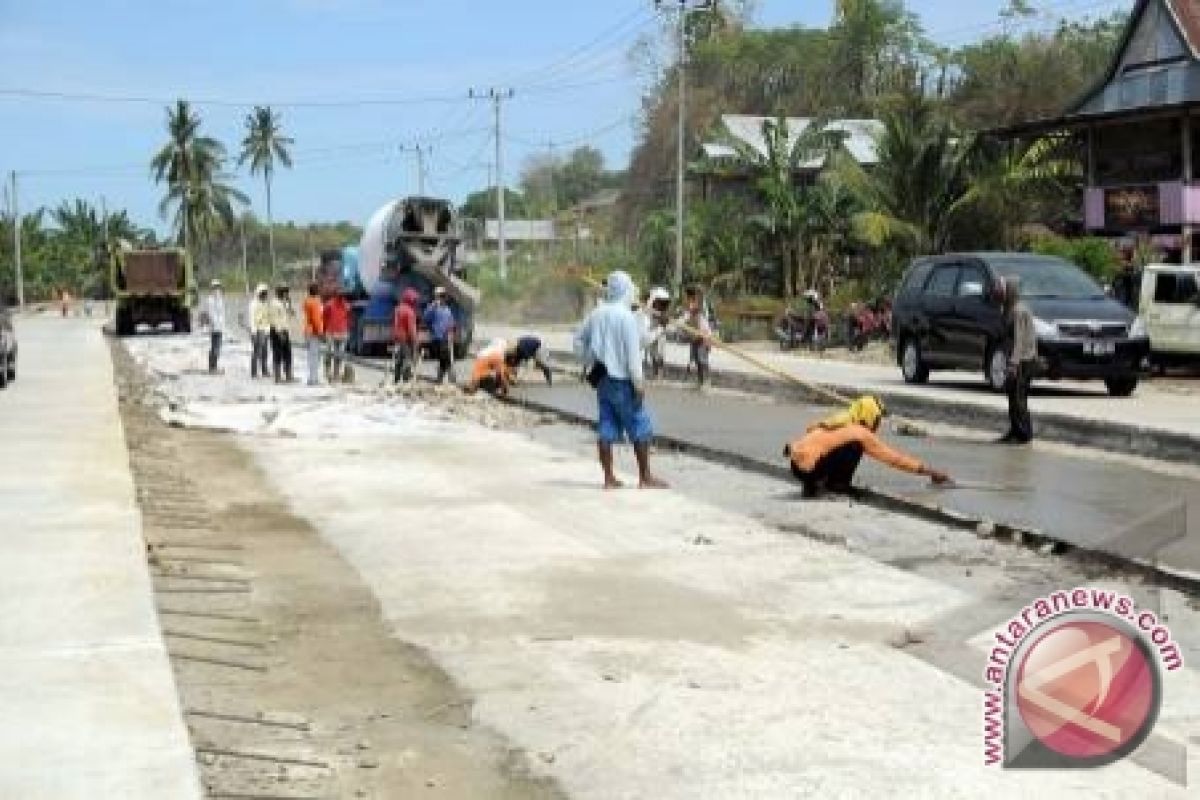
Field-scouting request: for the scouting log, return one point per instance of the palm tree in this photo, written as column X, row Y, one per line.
column 921, row 186
column 263, row 145
column 776, row 166
column 197, row 189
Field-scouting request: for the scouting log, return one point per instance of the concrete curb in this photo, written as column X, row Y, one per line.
column 1111, row 436
column 1027, row 537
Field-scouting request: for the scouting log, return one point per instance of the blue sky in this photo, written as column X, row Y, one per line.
column 348, row 157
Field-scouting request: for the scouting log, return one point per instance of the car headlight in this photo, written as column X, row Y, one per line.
column 1138, row 329
column 1045, row 330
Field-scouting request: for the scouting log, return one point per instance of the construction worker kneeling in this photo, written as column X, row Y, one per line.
column 828, row 455
column 491, row 371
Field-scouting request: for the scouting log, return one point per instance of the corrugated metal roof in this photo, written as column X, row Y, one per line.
column 861, row 136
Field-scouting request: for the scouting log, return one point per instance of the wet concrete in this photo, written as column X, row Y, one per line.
column 1117, row 508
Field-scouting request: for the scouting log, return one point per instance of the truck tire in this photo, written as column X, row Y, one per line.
column 183, row 321
column 125, row 326
column 1122, row 387
column 463, row 349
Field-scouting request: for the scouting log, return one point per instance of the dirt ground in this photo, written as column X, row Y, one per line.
column 289, row 680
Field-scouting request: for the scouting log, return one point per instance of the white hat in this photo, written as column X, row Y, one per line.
column 262, row 287
column 659, row 293
column 216, row 283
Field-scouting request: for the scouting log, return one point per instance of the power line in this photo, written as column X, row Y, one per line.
column 600, row 38
column 575, row 139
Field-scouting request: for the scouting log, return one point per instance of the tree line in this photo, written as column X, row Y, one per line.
column 940, row 182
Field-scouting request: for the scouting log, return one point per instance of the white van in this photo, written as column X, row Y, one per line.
column 1170, row 306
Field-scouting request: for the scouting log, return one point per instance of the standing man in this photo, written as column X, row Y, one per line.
column 314, row 332
column 439, row 318
column 214, row 311
column 337, row 333
column 610, row 346
column 655, row 321
column 700, row 335
column 1021, row 341
column 260, row 330
column 404, row 337
column 281, row 335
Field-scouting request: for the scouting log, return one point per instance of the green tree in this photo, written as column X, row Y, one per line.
column 776, row 168
column 199, row 200
column 263, row 146
column 921, row 186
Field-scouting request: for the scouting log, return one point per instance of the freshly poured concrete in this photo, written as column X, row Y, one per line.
column 1093, row 503
column 88, row 698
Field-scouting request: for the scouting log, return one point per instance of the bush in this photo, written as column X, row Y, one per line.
column 1094, row 256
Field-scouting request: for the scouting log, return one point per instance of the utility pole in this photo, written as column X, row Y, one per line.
column 498, row 96
column 16, row 209
column 685, row 7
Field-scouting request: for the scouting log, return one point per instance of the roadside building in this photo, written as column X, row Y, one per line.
column 721, row 170
column 1139, row 134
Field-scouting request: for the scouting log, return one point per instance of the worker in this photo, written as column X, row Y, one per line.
column 609, row 344
column 439, row 318
column 655, row 321
column 829, row 453
column 336, row 318
column 700, row 334
column 314, row 332
column 214, row 318
column 526, row 349
column 282, row 312
column 260, row 330
column 491, row 371
column 404, row 337
column 1022, row 351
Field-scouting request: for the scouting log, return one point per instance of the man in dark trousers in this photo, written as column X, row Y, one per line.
column 439, row 318
column 1022, row 350
column 404, row 336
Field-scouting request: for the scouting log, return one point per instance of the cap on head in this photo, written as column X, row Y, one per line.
column 262, row 288
column 216, row 283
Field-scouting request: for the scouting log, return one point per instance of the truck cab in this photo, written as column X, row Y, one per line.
column 1170, row 306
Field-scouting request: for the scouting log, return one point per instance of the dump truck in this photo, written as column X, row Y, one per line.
column 152, row 287
column 411, row 243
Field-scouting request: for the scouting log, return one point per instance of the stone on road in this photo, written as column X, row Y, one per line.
column 89, row 702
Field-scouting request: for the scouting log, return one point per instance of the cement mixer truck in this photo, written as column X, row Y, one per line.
column 408, row 243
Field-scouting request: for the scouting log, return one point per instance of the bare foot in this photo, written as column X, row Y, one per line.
column 651, row 482
column 611, row 484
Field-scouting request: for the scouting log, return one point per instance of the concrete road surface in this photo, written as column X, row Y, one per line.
column 87, row 700
column 1117, row 507
column 1172, row 411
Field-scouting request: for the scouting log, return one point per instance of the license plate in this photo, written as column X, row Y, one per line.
column 1099, row 348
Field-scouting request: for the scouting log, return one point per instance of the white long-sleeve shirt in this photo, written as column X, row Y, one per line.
column 214, row 306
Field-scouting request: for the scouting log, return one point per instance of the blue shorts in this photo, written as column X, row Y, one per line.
column 621, row 414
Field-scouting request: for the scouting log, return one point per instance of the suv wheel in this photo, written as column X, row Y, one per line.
column 1121, row 387
column 995, row 369
column 912, row 366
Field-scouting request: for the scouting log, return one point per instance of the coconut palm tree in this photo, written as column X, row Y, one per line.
column 191, row 165
column 263, row 146
column 776, row 166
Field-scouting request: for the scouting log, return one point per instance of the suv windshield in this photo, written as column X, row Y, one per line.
column 1050, row 277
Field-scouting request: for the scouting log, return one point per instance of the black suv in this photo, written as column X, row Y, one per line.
column 8, row 349
column 948, row 315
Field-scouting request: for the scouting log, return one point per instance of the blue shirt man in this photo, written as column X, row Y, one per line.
column 612, row 336
column 439, row 318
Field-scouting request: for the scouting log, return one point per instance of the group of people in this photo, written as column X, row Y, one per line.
column 655, row 319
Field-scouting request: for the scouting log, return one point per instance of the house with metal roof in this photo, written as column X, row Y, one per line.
column 1139, row 131
column 721, row 168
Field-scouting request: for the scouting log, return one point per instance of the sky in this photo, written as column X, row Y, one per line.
column 358, row 84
